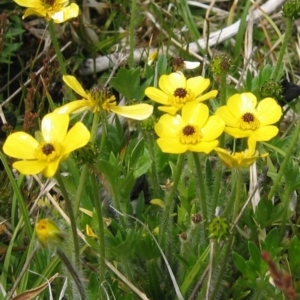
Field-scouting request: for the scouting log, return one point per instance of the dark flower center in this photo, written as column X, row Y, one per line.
column 248, row 117
column 50, row 2
column 180, row 92
column 188, row 130
column 48, row 149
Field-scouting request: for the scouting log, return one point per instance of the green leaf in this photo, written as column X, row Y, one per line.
column 255, row 255
column 294, row 255
column 239, row 262
column 271, row 243
column 127, row 82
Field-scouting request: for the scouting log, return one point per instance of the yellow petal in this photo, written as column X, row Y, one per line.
column 89, row 231
column 225, row 157
column 239, row 104
column 205, row 147
column 136, row 112
column 75, row 107
column 65, row 14
column 171, row 145
column 20, row 145
column 172, row 110
column 252, row 143
column 158, row 202
column 73, row 83
column 54, row 127
column 268, row 111
column 33, row 11
column 169, row 126
column 213, row 128
column 227, row 116
column 197, row 84
column 169, row 83
column 30, row 167
column 77, row 137
column 157, row 95
column 265, row 133
column 237, row 133
column 52, row 167
column 195, row 113
column 27, row 3
column 209, row 95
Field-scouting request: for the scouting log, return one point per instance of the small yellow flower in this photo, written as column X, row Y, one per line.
column 48, row 233
column 56, row 145
column 242, row 159
column 99, row 99
column 57, row 10
column 194, row 130
column 175, row 91
column 245, row 118
column 158, row 202
column 89, row 231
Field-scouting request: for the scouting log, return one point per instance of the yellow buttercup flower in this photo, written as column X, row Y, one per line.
column 194, row 130
column 175, row 91
column 48, row 233
column 99, row 99
column 45, row 155
column 242, row 159
column 57, row 10
column 244, row 117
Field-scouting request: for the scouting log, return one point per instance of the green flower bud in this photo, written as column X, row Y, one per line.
column 218, row 229
column 220, row 65
column 291, row 9
column 148, row 124
column 271, row 88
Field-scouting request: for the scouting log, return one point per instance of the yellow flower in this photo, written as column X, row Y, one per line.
column 242, row 159
column 194, row 130
column 45, row 156
column 89, row 231
column 175, row 91
column 245, row 118
column 57, row 10
column 99, row 99
column 48, row 233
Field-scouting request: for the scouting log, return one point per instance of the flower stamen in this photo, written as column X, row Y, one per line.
column 48, row 149
column 190, row 134
column 249, row 122
column 180, row 92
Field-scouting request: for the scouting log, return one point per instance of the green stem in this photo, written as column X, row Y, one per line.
column 236, row 205
column 170, row 199
column 57, row 48
column 80, row 188
column 73, row 272
column 132, row 33
column 59, row 55
column 101, row 239
column 218, row 178
column 285, row 161
column 286, row 199
column 287, row 35
column 84, row 170
column 154, row 174
column 223, row 93
column 17, row 193
column 95, row 126
column 222, row 270
column 202, row 196
column 228, row 250
column 71, row 216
